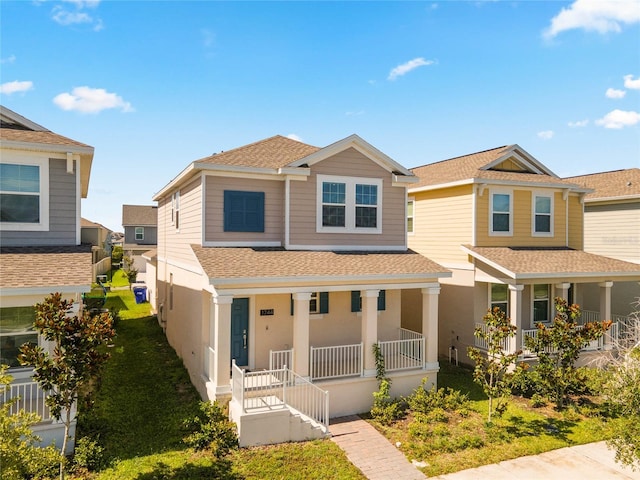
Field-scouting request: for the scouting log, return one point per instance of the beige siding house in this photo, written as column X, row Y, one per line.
column 279, row 266
column 43, row 177
column 511, row 232
column 612, row 226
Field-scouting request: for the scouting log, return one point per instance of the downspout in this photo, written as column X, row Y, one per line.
column 565, row 197
column 287, row 210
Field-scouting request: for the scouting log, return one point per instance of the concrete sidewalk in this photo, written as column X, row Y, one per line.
column 378, row 459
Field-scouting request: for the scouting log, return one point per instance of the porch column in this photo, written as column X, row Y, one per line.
column 301, row 333
column 562, row 291
column 430, row 325
column 222, row 343
column 515, row 307
column 605, row 310
column 369, row 329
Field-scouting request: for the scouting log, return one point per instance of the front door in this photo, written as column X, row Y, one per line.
column 240, row 331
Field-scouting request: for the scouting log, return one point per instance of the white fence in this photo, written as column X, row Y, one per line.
column 404, row 354
column 31, row 398
column 337, row 361
column 101, row 267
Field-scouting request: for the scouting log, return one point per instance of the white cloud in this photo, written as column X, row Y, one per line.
column 208, row 37
column 630, row 83
column 546, row 134
column 9, row 59
column 619, row 119
column 405, row 68
column 63, row 16
column 579, row 123
column 14, row 87
column 601, row 16
column 616, row 94
column 295, row 137
column 91, row 100
column 84, row 3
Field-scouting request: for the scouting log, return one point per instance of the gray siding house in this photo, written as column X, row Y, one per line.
column 140, row 223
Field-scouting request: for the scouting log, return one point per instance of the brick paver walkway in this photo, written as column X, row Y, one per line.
column 372, row 453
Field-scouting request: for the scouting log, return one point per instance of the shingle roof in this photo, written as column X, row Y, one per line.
column 614, row 184
column 30, row 136
column 24, row 267
column 228, row 263
column 273, row 152
column 536, row 262
column 139, row 215
column 471, row 166
column 84, row 223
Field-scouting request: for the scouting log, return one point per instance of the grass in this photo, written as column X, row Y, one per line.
column 145, row 395
column 458, row 440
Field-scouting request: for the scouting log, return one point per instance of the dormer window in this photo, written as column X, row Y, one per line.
column 349, row 204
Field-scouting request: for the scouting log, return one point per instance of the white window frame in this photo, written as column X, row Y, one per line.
column 350, row 204
column 533, row 301
column 141, row 230
column 491, row 302
column 43, row 224
column 534, row 196
column 315, row 297
column 175, row 209
column 510, row 213
column 411, row 200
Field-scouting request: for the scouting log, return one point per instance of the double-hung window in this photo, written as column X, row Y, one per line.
column 540, row 303
column 16, row 328
column 349, row 204
column 139, row 233
column 411, row 203
column 542, row 214
column 501, row 216
column 23, row 195
column 500, row 297
column 175, row 209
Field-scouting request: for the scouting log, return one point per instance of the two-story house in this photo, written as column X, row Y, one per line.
column 612, row 227
column 43, row 177
column 511, row 232
column 280, row 254
column 140, row 223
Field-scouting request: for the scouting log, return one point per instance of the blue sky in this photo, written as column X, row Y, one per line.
column 154, row 85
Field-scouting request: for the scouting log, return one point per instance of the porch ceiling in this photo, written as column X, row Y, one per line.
column 227, row 266
column 523, row 263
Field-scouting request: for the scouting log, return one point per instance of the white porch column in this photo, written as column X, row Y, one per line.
column 301, row 333
column 562, row 291
column 369, row 329
column 605, row 300
column 222, row 343
column 515, row 307
column 430, row 325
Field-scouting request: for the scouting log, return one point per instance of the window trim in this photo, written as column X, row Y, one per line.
column 411, row 200
column 491, row 302
column 43, row 204
column 534, row 196
column 492, row 232
column 350, row 204
column 175, row 209
column 533, row 302
column 139, row 230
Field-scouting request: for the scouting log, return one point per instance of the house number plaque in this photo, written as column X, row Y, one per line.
column 266, row 312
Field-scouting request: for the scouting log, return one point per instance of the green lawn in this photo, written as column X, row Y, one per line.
column 461, row 440
column 143, row 399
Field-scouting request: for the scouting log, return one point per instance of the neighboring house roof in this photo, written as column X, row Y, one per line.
column 151, row 255
column 228, row 265
column 530, row 263
column 20, row 133
column 506, row 164
column 62, row 269
column 140, row 215
column 614, row 185
column 84, row 223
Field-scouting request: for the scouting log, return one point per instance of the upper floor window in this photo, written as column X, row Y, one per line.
column 501, row 216
column 139, row 233
column 175, row 209
column 500, row 297
column 540, row 303
column 349, row 204
column 542, row 214
column 410, row 215
column 243, row 211
column 24, row 195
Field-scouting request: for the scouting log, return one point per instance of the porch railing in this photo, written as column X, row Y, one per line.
column 403, row 354
column 31, row 398
column 483, row 344
column 280, row 358
column 280, row 388
column 337, row 361
column 608, row 340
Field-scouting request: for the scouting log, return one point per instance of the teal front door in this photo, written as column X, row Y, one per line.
column 240, row 331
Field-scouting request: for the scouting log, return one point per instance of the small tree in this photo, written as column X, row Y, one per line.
column 116, row 254
column 130, row 271
column 76, row 360
column 493, row 365
column 558, row 348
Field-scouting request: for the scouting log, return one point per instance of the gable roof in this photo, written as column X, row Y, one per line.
column 617, row 184
column 139, row 215
column 20, row 133
column 507, row 165
column 84, row 223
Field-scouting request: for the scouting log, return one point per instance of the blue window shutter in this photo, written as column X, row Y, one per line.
column 324, row 302
column 355, row 300
column 382, row 300
column 243, row 211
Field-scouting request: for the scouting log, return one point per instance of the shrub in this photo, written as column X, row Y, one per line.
column 89, row 454
column 211, row 430
column 385, row 409
column 447, row 399
column 538, row 400
column 525, row 381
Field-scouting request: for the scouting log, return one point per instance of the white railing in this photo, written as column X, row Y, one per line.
column 404, row 354
column 589, row 316
column 279, row 358
column 280, row 388
column 337, row 361
column 483, row 344
column 609, row 339
column 31, row 398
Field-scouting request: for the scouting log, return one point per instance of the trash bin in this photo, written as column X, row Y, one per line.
column 140, row 294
